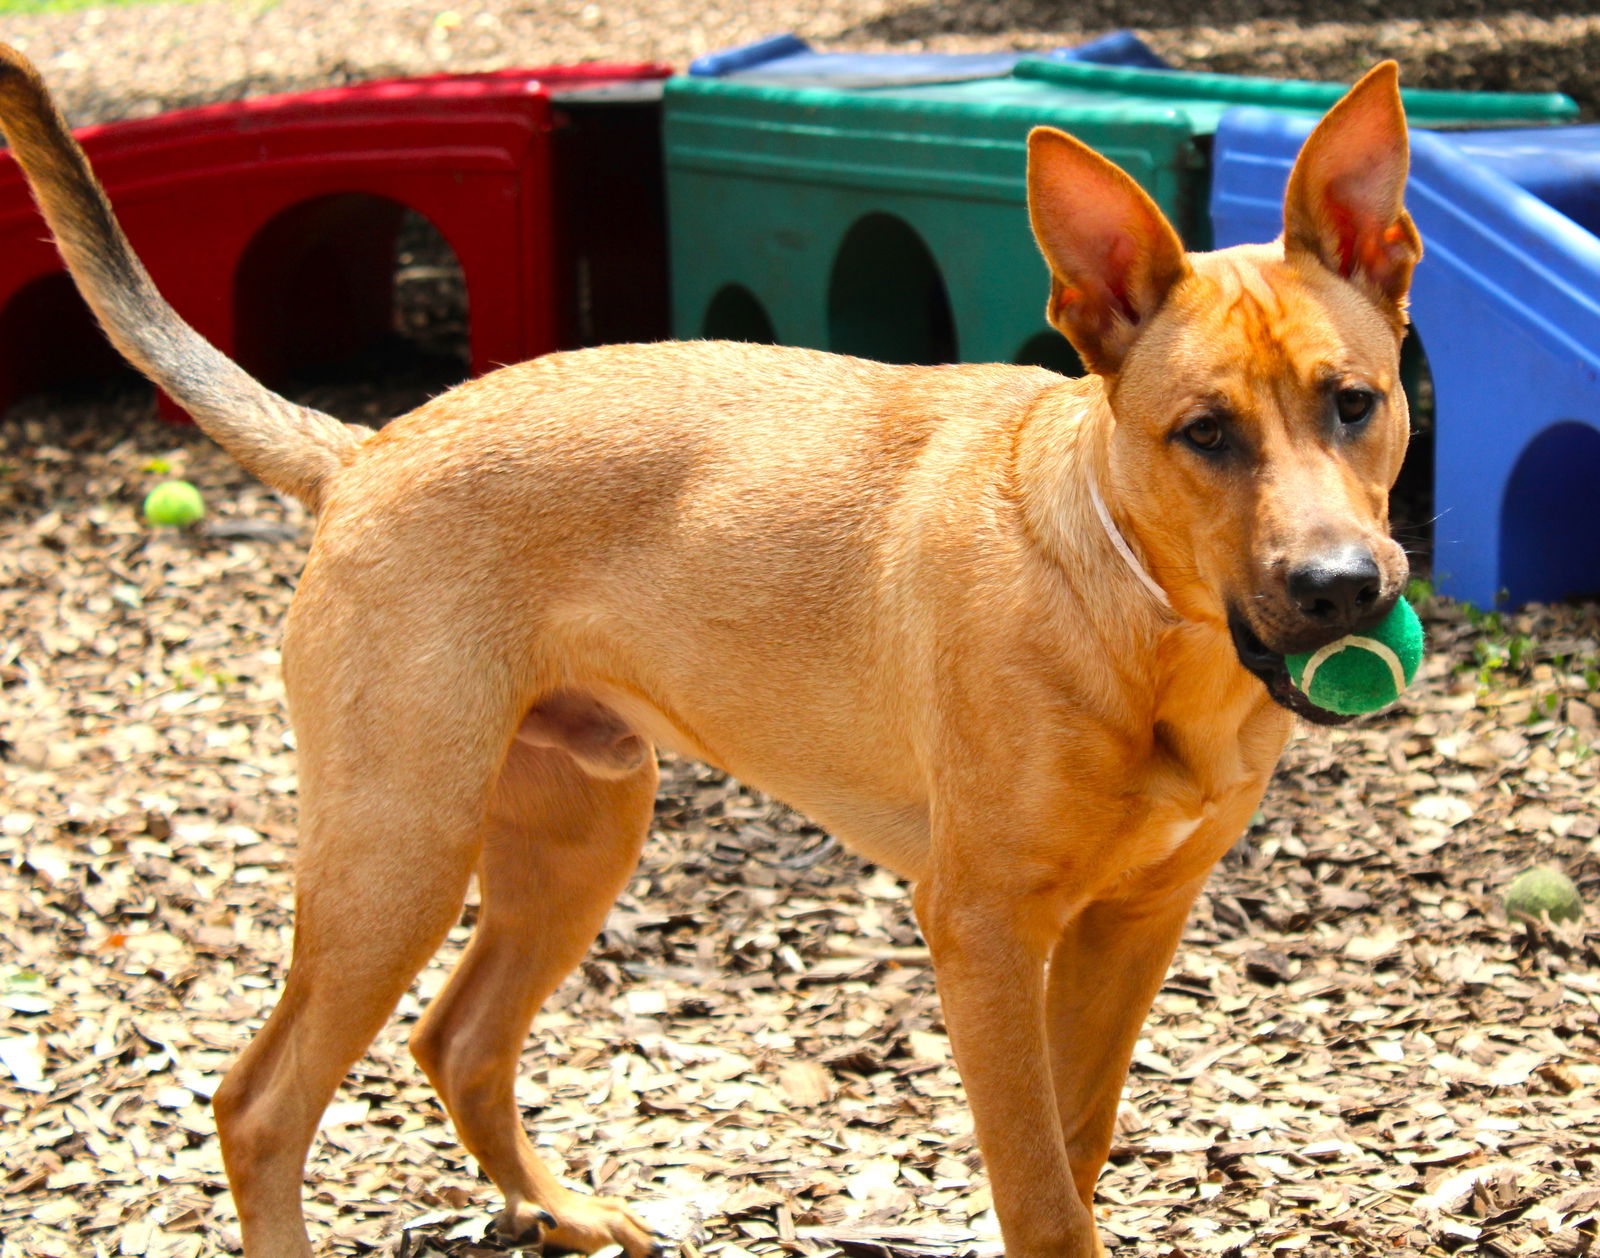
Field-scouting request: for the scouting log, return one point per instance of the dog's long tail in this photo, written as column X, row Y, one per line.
column 292, row 448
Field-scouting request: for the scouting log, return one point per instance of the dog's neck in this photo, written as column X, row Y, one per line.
column 1121, row 543
column 1063, row 471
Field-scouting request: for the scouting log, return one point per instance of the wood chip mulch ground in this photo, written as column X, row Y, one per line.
column 136, row 59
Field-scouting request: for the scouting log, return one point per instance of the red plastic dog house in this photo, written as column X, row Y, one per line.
column 270, row 224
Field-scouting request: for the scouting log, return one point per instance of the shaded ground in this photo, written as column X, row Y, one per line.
column 111, row 63
column 1355, row 1053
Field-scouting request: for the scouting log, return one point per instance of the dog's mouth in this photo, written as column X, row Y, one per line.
column 1269, row 666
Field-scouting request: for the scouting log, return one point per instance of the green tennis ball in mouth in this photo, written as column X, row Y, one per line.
column 174, row 504
column 1363, row 671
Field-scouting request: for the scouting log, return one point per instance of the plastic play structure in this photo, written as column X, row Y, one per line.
column 890, row 221
column 790, row 61
column 871, row 204
column 270, row 223
column 1506, row 306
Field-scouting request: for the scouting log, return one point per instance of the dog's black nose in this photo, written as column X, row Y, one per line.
column 1338, row 589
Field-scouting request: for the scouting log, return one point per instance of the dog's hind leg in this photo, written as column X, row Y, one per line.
column 396, row 768
column 559, row 845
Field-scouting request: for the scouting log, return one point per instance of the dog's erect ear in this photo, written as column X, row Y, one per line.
column 1345, row 205
column 1113, row 256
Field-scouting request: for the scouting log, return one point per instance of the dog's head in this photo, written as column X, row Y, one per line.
column 1259, row 417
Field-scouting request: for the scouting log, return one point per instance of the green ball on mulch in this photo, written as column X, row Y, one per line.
column 1543, row 892
column 174, row 504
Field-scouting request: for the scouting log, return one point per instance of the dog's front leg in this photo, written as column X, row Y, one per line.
column 989, row 947
column 1104, row 973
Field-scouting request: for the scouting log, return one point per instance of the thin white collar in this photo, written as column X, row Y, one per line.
column 1123, row 549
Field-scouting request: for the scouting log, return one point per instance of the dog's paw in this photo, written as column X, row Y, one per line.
column 576, row 1225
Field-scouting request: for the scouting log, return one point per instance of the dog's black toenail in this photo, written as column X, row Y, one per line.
column 546, row 1218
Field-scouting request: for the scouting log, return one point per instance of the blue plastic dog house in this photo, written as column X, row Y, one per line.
column 1506, row 301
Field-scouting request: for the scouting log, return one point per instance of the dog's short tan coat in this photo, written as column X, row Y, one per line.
column 881, row 593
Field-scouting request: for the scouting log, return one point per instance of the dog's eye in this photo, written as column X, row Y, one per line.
column 1205, row 434
column 1354, row 405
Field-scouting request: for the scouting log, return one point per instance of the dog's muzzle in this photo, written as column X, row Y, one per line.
column 1269, row 666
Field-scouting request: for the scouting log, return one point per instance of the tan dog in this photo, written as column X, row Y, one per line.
column 909, row 600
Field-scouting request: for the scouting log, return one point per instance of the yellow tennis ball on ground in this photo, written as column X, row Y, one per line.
column 174, row 504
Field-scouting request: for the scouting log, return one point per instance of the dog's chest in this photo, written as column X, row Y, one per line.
column 1171, row 837
column 1176, row 844
column 1196, row 805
